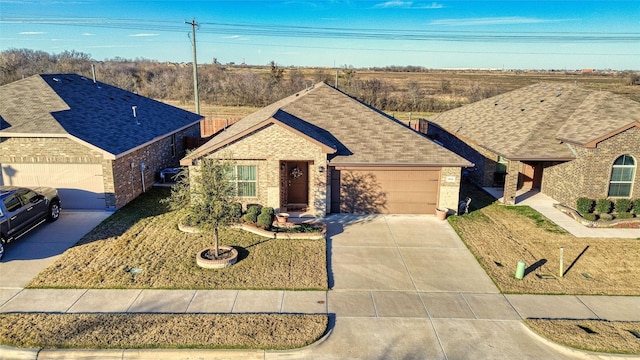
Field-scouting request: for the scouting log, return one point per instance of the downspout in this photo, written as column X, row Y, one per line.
column 142, row 176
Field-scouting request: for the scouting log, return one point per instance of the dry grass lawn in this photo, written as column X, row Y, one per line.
column 592, row 335
column 500, row 236
column 144, row 235
column 147, row 331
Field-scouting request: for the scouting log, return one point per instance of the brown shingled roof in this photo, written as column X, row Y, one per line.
column 534, row 121
column 360, row 134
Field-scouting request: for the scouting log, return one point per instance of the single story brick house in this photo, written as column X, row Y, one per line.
column 101, row 146
column 323, row 151
column 563, row 139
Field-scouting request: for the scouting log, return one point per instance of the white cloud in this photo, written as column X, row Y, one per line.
column 143, row 35
column 488, row 21
column 408, row 5
column 394, row 3
column 231, row 37
column 32, row 33
column 87, row 34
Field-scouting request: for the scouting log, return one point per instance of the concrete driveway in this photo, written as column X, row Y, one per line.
column 406, row 287
column 27, row 256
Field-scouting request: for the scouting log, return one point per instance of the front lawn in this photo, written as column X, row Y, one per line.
column 140, row 246
column 500, row 236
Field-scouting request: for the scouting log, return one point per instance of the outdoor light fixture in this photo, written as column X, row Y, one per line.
column 320, row 169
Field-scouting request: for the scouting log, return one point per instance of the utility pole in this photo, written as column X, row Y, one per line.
column 195, row 65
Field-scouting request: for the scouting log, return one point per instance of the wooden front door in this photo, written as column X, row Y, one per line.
column 297, row 182
column 531, row 176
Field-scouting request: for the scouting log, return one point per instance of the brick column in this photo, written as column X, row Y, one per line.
column 511, row 182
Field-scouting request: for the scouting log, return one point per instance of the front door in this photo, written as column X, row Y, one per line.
column 297, row 183
column 531, row 176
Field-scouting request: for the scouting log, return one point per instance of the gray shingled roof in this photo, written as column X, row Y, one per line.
column 532, row 122
column 97, row 113
column 360, row 134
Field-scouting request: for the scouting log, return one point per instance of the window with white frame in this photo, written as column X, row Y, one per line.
column 245, row 180
column 622, row 174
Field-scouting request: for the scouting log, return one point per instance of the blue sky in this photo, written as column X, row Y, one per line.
column 333, row 33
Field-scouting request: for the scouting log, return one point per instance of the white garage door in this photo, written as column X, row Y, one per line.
column 80, row 186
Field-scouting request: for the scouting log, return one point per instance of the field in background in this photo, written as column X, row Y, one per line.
column 455, row 87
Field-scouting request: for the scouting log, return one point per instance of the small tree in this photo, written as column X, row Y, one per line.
column 208, row 196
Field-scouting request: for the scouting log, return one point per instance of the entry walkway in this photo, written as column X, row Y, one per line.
column 544, row 205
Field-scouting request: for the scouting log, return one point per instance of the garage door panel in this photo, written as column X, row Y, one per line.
column 80, row 186
column 396, row 191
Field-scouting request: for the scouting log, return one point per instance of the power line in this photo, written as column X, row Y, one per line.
column 270, row 30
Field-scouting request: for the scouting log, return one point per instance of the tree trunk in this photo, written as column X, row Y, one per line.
column 215, row 235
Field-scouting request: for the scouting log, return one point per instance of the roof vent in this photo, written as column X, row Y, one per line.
column 134, row 108
column 56, row 79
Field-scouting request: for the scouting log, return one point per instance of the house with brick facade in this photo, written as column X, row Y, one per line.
column 563, row 139
column 99, row 145
column 323, row 151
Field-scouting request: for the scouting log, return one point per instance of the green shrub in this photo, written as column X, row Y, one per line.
column 603, row 206
column 622, row 205
column 236, row 211
column 589, row 216
column 252, row 214
column 636, row 206
column 606, row 217
column 624, row 215
column 584, row 205
column 267, row 210
column 265, row 219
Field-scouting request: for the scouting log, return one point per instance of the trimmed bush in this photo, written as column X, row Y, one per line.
column 622, row 205
column 636, row 207
column 584, row 205
column 589, row 216
column 623, row 215
column 603, row 206
column 606, row 217
column 265, row 219
column 252, row 214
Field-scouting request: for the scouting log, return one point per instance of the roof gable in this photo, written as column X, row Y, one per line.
column 359, row 133
column 534, row 121
column 107, row 117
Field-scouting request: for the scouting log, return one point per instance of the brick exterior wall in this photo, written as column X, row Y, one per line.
column 449, row 194
column 484, row 160
column 266, row 149
column 126, row 185
column 117, row 174
column 590, row 173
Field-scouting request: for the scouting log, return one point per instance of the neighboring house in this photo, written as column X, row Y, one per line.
column 322, row 151
column 101, row 146
column 561, row 138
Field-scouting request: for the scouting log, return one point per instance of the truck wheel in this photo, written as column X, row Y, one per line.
column 54, row 211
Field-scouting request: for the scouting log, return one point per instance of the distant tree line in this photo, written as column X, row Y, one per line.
column 238, row 85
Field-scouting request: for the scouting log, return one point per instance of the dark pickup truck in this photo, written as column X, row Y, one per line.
column 22, row 209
